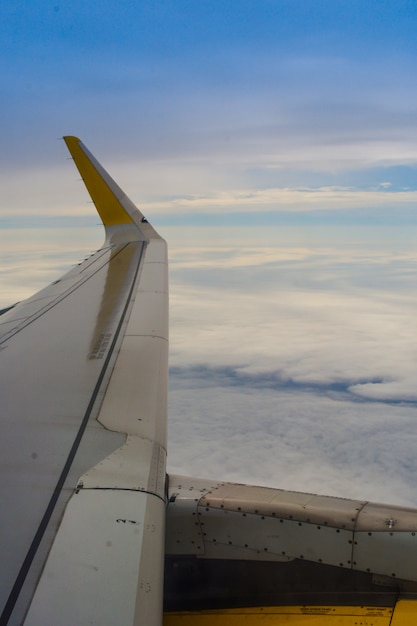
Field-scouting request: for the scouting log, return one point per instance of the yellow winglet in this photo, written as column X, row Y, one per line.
column 111, row 202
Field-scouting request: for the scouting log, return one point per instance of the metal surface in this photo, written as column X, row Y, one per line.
column 244, row 522
column 236, row 535
column 290, row 505
column 393, row 554
column 183, row 531
column 193, row 583
column 106, row 541
column 383, row 518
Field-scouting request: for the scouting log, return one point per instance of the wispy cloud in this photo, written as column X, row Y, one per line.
column 288, row 199
column 57, row 194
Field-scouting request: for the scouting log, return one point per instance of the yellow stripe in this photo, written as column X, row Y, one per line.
column 286, row 615
column 405, row 613
column 108, row 206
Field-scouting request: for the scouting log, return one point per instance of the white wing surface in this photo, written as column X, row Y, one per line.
column 83, row 383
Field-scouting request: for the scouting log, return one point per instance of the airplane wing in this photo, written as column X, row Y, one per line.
column 83, row 380
column 91, row 529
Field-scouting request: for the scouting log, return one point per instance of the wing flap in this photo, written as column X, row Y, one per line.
column 112, row 563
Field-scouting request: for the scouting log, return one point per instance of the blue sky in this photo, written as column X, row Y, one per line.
column 274, row 144
column 270, row 92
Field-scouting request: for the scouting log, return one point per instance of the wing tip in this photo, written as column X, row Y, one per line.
column 106, row 195
column 71, row 139
column 112, row 204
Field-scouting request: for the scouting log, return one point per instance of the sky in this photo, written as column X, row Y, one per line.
column 274, row 145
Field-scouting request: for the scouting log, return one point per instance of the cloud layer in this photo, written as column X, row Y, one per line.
column 297, row 370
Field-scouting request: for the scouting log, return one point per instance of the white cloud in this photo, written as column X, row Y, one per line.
column 297, row 373
column 310, row 315
column 305, row 335
column 284, row 199
column 295, row 440
column 171, row 189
